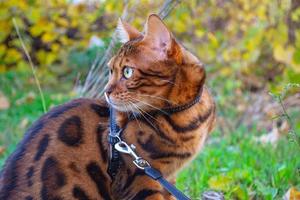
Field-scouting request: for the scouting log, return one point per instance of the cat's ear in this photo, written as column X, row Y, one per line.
column 125, row 32
column 158, row 36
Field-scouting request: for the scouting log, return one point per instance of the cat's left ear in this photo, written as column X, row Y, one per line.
column 126, row 32
column 160, row 38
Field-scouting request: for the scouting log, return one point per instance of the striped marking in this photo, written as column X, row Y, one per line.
column 143, row 194
column 151, row 124
column 10, row 175
column 149, row 147
column 59, row 110
column 97, row 176
column 100, row 133
column 79, row 193
column 43, row 144
column 193, row 125
column 29, row 175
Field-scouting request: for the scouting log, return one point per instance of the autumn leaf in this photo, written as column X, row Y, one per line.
column 292, row 194
column 4, row 102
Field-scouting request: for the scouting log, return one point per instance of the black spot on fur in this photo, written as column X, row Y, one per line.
column 73, row 166
column 131, row 178
column 96, row 174
column 141, row 133
column 79, row 193
column 57, row 111
column 100, row 140
column 43, row 144
column 28, row 198
column 71, row 131
column 52, row 178
column 143, row 194
column 102, row 111
column 29, row 175
column 10, row 174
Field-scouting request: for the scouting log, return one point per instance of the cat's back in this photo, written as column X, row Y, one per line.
column 58, row 151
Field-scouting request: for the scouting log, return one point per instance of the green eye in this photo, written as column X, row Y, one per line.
column 127, row 72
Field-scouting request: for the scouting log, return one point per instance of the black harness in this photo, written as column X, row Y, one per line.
column 114, row 139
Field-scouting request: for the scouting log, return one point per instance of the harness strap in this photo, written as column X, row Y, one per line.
column 113, row 137
column 171, row 110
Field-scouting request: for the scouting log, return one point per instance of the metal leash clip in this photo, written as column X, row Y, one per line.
column 123, row 147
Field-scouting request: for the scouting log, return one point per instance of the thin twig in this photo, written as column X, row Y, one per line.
column 31, row 65
column 288, row 118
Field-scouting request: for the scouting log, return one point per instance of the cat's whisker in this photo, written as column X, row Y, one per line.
column 154, row 107
column 132, row 111
column 139, row 108
column 145, row 118
column 156, row 97
column 127, row 110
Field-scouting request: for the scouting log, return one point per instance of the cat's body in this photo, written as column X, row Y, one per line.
column 64, row 155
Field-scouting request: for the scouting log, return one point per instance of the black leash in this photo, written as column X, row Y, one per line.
column 156, row 175
column 153, row 173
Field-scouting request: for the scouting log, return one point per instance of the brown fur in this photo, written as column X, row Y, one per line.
column 64, row 154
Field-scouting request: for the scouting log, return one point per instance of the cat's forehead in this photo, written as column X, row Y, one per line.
column 129, row 48
column 128, row 51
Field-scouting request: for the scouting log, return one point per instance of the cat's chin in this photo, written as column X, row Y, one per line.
column 120, row 108
column 128, row 108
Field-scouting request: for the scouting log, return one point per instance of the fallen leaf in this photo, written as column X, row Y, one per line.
column 4, row 102
column 24, row 123
column 292, row 194
column 2, row 149
column 278, row 130
column 212, row 195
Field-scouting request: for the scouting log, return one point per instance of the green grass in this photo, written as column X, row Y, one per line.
column 242, row 168
column 25, row 108
column 234, row 164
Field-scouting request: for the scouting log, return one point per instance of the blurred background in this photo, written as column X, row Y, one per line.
column 52, row 51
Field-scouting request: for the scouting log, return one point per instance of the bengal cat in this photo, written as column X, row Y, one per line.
column 64, row 155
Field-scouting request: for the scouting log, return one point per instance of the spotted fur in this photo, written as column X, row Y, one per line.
column 65, row 154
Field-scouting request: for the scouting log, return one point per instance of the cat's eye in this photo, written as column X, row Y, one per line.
column 110, row 72
column 127, row 72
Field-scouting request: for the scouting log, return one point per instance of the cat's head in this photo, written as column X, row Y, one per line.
column 151, row 69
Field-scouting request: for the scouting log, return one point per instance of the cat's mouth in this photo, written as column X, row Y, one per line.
column 123, row 107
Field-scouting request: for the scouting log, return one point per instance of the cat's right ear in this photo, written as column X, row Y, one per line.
column 126, row 32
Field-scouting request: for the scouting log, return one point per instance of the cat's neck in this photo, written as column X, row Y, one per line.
column 187, row 84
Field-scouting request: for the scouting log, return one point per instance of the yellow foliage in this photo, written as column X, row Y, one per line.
column 282, row 54
column 49, row 37
column 2, row 50
column 52, row 27
column 249, row 36
column 12, row 56
column 220, row 182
